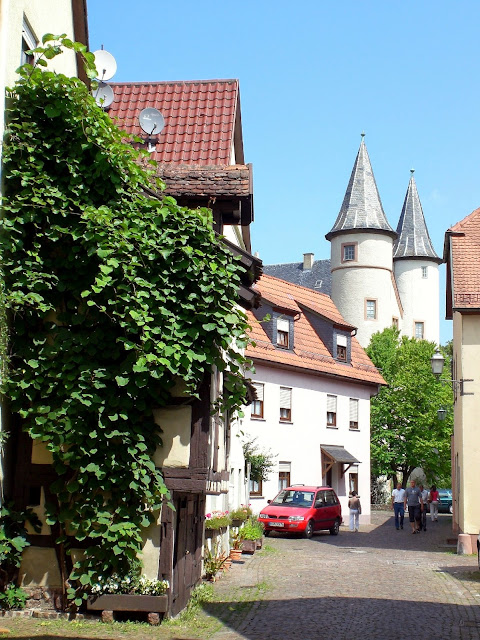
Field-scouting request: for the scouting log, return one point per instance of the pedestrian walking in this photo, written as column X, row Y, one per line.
column 355, row 511
column 433, row 501
column 398, row 498
column 423, row 508
column 413, row 500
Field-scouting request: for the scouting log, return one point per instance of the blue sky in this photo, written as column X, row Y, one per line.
column 313, row 76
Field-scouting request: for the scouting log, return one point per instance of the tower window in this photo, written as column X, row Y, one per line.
column 371, row 309
column 349, row 252
column 424, row 272
column 419, row 330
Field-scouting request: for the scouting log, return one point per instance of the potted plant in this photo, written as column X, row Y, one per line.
column 236, row 546
column 215, row 521
column 251, row 531
column 240, row 515
column 213, row 561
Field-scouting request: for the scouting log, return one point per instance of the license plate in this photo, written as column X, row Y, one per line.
column 275, row 524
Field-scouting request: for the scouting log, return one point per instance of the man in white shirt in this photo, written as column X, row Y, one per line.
column 398, row 500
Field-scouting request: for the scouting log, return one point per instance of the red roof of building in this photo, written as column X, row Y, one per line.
column 462, row 255
column 309, row 352
column 202, row 118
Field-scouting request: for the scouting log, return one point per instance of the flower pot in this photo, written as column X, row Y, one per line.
column 236, row 554
column 259, row 543
column 249, row 546
column 125, row 602
column 237, row 522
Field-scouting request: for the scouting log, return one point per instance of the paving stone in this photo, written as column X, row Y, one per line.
column 376, row 584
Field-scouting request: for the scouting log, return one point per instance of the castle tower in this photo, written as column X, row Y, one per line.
column 363, row 285
column 416, row 270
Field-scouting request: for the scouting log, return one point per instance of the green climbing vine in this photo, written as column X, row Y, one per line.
column 112, row 296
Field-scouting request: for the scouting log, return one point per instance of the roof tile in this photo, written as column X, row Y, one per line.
column 199, row 117
column 309, row 352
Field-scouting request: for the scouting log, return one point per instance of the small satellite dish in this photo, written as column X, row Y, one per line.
column 103, row 95
column 151, row 121
column 105, row 63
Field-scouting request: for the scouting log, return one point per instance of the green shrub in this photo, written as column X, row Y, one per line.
column 13, row 597
column 252, row 529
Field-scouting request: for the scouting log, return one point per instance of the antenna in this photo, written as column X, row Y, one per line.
column 152, row 122
column 103, row 95
column 106, row 68
column 106, row 65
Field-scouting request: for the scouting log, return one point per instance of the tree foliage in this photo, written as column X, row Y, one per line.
column 405, row 430
column 261, row 461
column 112, row 296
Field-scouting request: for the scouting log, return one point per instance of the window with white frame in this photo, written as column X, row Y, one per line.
column 424, row 272
column 29, row 42
column 371, row 309
column 256, row 487
column 353, row 413
column 285, row 404
column 257, row 405
column 331, row 411
column 419, row 330
column 283, row 332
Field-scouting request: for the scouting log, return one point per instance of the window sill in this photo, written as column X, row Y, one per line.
column 285, row 422
column 332, row 426
column 353, row 429
column 257, row 419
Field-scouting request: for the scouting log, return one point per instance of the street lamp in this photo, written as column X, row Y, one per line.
column 441, row 415
column 437, row 361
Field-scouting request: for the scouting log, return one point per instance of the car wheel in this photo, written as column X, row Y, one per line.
column 308, row 533
column 267, row 532
column 450, row 508
column 335, row 529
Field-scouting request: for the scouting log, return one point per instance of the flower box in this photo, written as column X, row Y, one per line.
column 249, row 546
column 126, row 602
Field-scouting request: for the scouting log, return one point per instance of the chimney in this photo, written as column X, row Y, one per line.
column 308, row 260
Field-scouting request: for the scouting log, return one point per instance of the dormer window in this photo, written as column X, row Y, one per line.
column 342, row 348
column 283, row 333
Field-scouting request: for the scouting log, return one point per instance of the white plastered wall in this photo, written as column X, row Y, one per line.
column 369, row 277
column 420, row 297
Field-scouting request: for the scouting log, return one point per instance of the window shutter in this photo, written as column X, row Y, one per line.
column 353, row 410
column 285, row 398
column 258, row 386
column 283, row 325
column 342, row 341
column 284, row 466
column 332, row 404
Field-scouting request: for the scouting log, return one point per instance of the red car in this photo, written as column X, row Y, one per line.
column 302, row 509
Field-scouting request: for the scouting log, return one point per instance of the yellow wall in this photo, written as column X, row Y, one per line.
column 175, row 423
column 467, row 411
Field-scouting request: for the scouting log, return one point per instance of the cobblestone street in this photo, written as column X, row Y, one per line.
column 376, row 584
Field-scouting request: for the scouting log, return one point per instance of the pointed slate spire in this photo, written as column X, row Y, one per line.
column 413, row 240
column 361, row 208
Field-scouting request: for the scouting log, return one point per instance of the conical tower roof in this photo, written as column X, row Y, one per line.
column 413, row 240
column 361, row 209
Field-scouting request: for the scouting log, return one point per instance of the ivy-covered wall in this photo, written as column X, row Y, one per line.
column 111, row 296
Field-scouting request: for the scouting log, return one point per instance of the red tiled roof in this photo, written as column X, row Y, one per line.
column 213, row 180
column 200, row 117
column 309, row 352
column 463, row 266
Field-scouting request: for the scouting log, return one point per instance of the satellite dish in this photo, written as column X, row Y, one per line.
column 105, row 63
column 103, row 95
column 151, row 121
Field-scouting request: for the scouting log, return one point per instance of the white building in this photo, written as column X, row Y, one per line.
column 313, row 383
column 376, row 276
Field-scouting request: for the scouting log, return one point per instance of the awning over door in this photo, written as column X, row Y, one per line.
column 332, row 454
